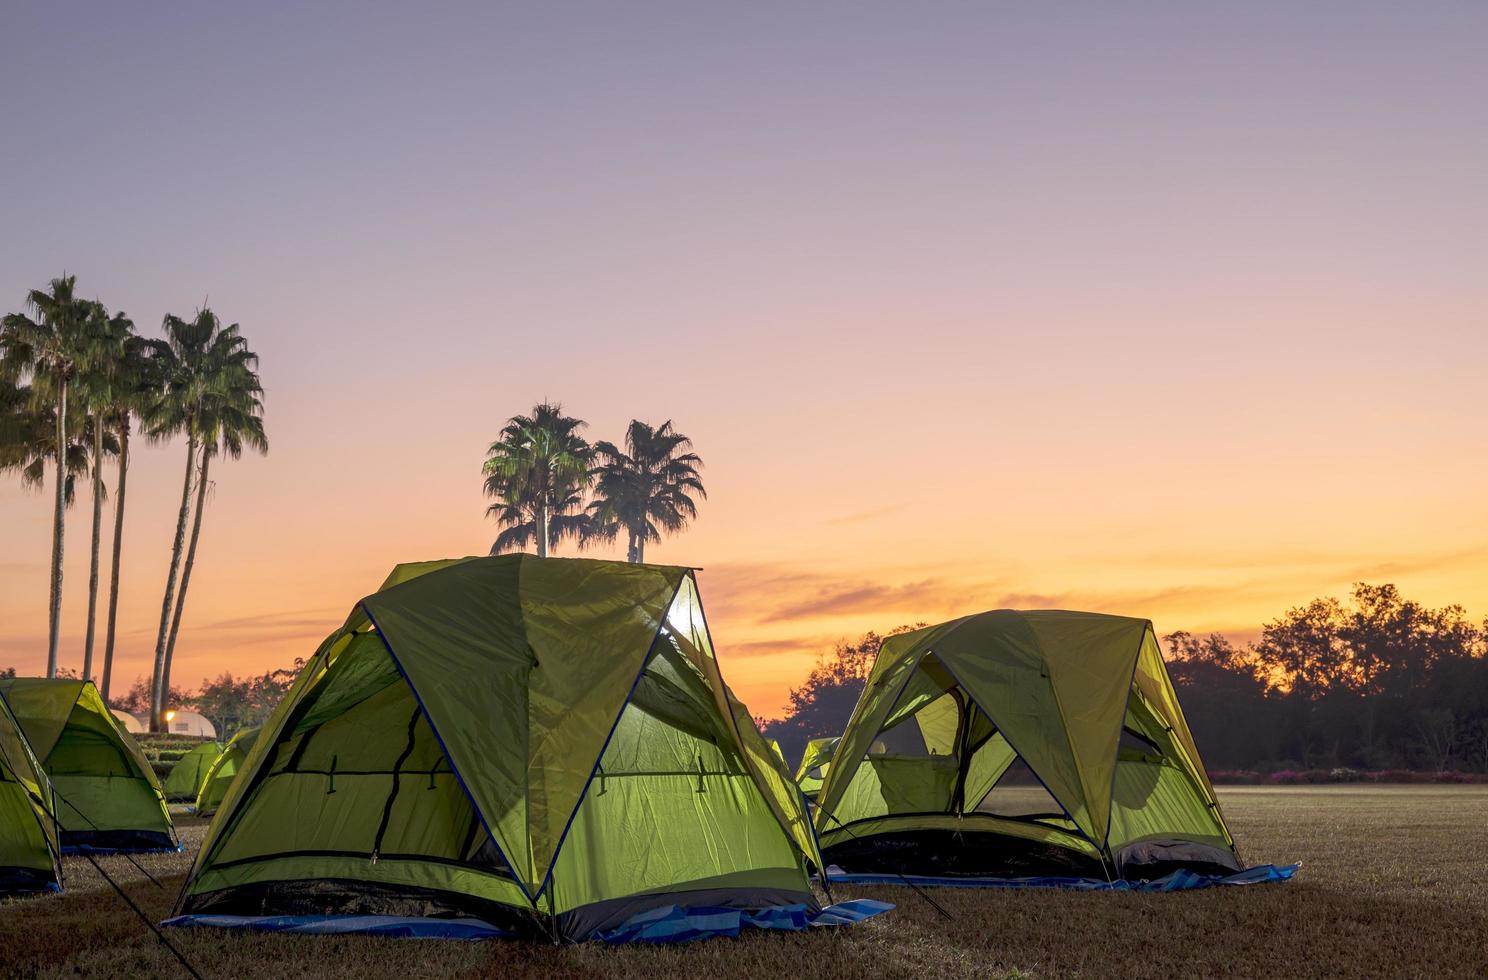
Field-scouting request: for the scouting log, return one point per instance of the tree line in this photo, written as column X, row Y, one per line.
column 550, row 484
column 75, row 382
column 1374, row 682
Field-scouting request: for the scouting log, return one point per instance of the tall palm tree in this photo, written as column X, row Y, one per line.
column 48, row 347
column 229, row 419
column 646, row 489
column 28, row 440
column 133, row 385
column 99, row 377
column 198, row 361
column 537, row 472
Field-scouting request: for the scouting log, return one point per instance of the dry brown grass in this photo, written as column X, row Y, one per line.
column 1394, row 883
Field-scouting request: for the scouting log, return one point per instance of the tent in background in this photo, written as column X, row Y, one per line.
column 219, row 776
column 815, row 762
column 184, row 781
column 107, row 795
column 517, row 745
column 1022, row 744
column 30, row 852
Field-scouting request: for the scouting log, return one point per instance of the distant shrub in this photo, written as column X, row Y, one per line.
column 1343, row 774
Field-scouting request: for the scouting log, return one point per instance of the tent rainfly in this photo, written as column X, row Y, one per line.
column 184, row 781
column 108, row 798
column 30, row 851
column 1022, row 744
column 219, row 776
column 509, row 745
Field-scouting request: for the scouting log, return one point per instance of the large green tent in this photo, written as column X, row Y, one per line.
column 1022, row 743
column 224, row 768
column 30, row 852
column 543, row 745
column 107, row 795
column 184, row 781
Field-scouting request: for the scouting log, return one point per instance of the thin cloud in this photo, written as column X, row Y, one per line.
column 865, row 515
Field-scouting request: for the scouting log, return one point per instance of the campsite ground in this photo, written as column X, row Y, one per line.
column 1394, row 882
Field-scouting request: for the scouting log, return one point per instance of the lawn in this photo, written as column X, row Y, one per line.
column 1394, row 883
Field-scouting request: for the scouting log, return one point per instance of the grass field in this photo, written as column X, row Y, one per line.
column 1394, row 883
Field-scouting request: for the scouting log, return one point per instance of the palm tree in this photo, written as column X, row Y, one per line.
column 198, row 361
column 645, row 490
column 133, row 385
column 48, row 350
column 28, row 445
column 229, row 419
column 99, row 376
column 537, row 472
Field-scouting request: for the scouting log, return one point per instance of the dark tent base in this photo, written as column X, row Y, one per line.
column 949, row 853
column 116, row 841
column 983, row 853
column 344, row 896
column 24, row 881
column 1153, row 859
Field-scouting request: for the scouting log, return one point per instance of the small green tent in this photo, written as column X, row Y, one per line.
column 107, row 795
column 815, row 762
column 219, row 777
column 1022, row 743
column 184, row 781
column 543, row 745
column 30, row 852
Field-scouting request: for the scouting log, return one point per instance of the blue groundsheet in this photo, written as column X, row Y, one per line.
column 1178, row 881
column 672, row 924
column 677, row 924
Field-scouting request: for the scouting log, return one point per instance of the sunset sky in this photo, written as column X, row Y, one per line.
column 1174, row 310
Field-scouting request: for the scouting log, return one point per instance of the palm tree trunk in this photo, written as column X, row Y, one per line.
column 196, row 522
column 542, row 530
column 113, row 610
column 59, row 511
column 157, row 694
column 638, row 549
column 97, row 536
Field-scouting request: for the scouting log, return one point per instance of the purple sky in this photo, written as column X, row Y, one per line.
column 1171, row 308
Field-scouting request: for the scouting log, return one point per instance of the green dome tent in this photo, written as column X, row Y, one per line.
column 219, row 777
column 30, row 852
column 184, row 781
column 542, row 746
column 1022, row 744
column 815, row 762
column 107, row 795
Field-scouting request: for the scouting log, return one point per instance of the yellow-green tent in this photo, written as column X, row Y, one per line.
column 224, row 768
column 108, row 798
column 1021, row 743
column 184, row 781
column 815, row 762
column 544, row 745
column 30, row 851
